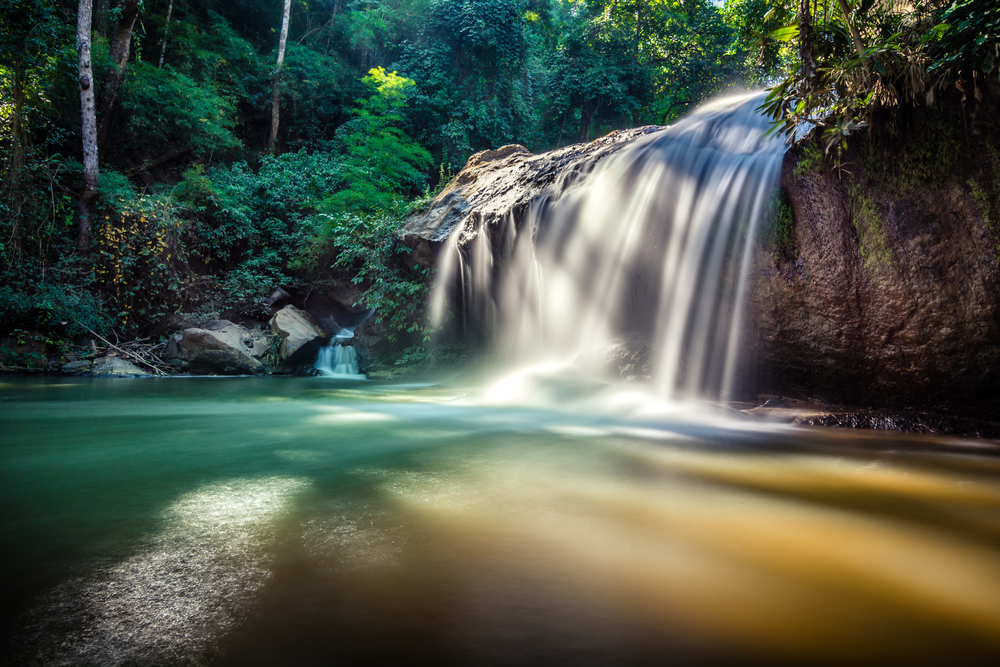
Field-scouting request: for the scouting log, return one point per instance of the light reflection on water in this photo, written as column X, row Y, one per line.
column 300, row 522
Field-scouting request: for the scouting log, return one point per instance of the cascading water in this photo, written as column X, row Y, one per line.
column 654, row 244
column 337, row 359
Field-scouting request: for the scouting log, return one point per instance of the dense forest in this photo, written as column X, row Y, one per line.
column 239, row 146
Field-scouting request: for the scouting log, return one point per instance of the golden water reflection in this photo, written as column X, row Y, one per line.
column 783, row 557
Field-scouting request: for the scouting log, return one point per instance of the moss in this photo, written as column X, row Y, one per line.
column 982, row 199
column 985, row 191
column 779, row 225
column 810, row 162
column 929, row 155
column 873, row 242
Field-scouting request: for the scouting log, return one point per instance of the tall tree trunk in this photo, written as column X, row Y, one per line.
column 275, row 105
column 15, row 155
column 166, row 32
column 121, row 46
column 89, row 117
column 586, row 115
column 806, row 45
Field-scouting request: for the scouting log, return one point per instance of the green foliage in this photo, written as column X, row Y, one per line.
column 315, row 97
column 167, row 109
column 811, row 160
column 908, row 55
column 367, row 248
column 593, row 83
column 247, row 227
column 64, row 307
column 755, row 22
column 473, row 91
column 428, row 354
column 134, row 243
column 381, row 164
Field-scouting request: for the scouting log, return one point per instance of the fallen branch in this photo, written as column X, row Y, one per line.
column 127, row 352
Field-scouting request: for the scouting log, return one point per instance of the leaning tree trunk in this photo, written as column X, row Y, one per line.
column 89, row 116
column 121, row 46
column 277, row 78
column 859, row 45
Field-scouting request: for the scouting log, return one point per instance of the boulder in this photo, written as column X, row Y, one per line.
column 301, row 334
column 497, row 184
column 887, row 295
column 77, row 367
column 110, row 366
column 226, row 351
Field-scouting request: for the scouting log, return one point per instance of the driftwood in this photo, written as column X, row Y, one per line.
column 142, row 353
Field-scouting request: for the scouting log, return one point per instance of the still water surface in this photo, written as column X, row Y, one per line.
column 203, row 521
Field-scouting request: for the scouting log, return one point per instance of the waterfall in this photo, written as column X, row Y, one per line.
column 652, row 247
column 338, row 360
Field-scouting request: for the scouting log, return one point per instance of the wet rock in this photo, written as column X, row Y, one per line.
column 77, row 367
column 907, row 315
column 224, row 351
column 495, row 185
column 628, row 359
column 110, row 366
column 217, row 325
column 301, row 334
column 279, row 299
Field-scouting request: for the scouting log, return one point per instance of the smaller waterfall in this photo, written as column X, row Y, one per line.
column 337, row 359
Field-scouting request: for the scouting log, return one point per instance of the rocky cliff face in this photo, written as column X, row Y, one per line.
column 887, row 289
column 879, row 284
column 499, row 184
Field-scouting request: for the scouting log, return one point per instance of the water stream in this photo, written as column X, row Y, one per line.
column 213, row 521
column 338, row 358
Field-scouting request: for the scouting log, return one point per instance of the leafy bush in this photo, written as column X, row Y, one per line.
column 381, row 164
column 367, row 248
column 134, row 254
column 167, row 108
column 884, row 56
column 64, row 307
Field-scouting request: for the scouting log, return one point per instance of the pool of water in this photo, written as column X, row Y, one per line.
column 221, row 521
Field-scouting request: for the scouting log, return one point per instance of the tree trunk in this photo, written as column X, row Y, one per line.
column 89, row 117
column 859, row 46
column 272, row 142
column 806, row 45
column 15, row 155
column 121, row 46
column 586, row 115
column 166, row 32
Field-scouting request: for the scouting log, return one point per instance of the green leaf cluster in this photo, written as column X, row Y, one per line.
column 906, row 55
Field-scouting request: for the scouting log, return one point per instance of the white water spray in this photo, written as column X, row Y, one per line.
column 337, row 359
column 654, row 244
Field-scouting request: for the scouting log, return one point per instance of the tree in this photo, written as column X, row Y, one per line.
column 121, row 46
column 88, row 112
column 277, row 78
column 166, row 33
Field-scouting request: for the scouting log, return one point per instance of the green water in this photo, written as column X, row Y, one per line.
column 190, row 521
